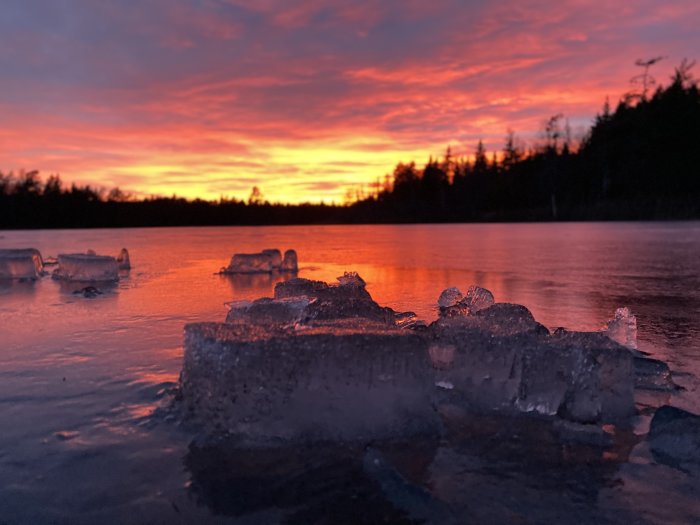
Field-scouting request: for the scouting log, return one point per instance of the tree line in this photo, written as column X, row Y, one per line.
column 638, row 161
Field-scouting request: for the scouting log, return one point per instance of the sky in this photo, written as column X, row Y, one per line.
column 307, row 99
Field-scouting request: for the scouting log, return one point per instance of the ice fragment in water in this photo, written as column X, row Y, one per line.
column 289, row 263
column 86, row 267
column 449, row 297
column 25, row 263
column 123, row 260
column 266, row 261
column 623, row 328
column 250, row 263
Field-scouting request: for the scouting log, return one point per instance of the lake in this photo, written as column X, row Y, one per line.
column 84, row 381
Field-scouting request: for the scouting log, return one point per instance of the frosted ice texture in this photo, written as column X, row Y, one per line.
column 275, row 257
column 23, row 263
column 478, row 298
column 453, row 304
column 86, row 267
column 325, row 361
column 449, row 297
column 623, row 328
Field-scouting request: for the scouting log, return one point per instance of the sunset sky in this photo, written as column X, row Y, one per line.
column 207, row 98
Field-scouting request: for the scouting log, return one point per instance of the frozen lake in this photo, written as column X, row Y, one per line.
column 80, row 378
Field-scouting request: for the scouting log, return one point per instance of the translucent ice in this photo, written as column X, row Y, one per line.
column 267, row 261
column 623, row 328
column 289, row 263
column 269, row 312
column 478, row 298
column 25, row 263
column 123, row 260
column 250, row 263
column 453, row 304
column 86, row 267
column 275, row 257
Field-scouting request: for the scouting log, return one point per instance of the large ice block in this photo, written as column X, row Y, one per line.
column 314, row 385
column 22, row 263
column 86, row 267
column 325, row 361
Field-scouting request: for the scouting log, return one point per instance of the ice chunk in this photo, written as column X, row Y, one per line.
column 351, row 279
column 344, row 301
column 452, row 304
column 623, row 328
column 269, row 312
column 498, row 319
column 23, row 263
column 85, row 267
column 310, row 385
column 266, row 261
column 653, row 374
column 449, row 297
column 275, row 257
column 477, row 298
column 250, row 263
column 123, row 260
column 674, row 436
column 289, row 263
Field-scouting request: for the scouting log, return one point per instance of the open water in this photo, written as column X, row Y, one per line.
column 82, row 380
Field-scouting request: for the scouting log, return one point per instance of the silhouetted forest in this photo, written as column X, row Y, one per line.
column 640, row 161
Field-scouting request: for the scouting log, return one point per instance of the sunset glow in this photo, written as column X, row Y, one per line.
column 306, row 99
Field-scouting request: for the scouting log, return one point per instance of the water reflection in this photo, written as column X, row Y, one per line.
column 89, row 289
column 323, row 483
column 487, row 468
column 17, row 286
column 255, row 285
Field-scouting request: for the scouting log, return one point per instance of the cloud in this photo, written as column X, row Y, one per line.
column 305, row 98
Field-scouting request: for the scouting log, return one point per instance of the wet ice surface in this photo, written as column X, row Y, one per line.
column 81, row 377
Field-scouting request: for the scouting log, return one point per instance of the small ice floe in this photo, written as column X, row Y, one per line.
column 123, row 260
column 445, row 385
column 623, row 328
column 267, row 261
column 289, row 263
column 86, row 267
column 23, row 263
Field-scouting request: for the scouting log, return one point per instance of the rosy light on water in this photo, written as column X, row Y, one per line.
column 82, row 379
